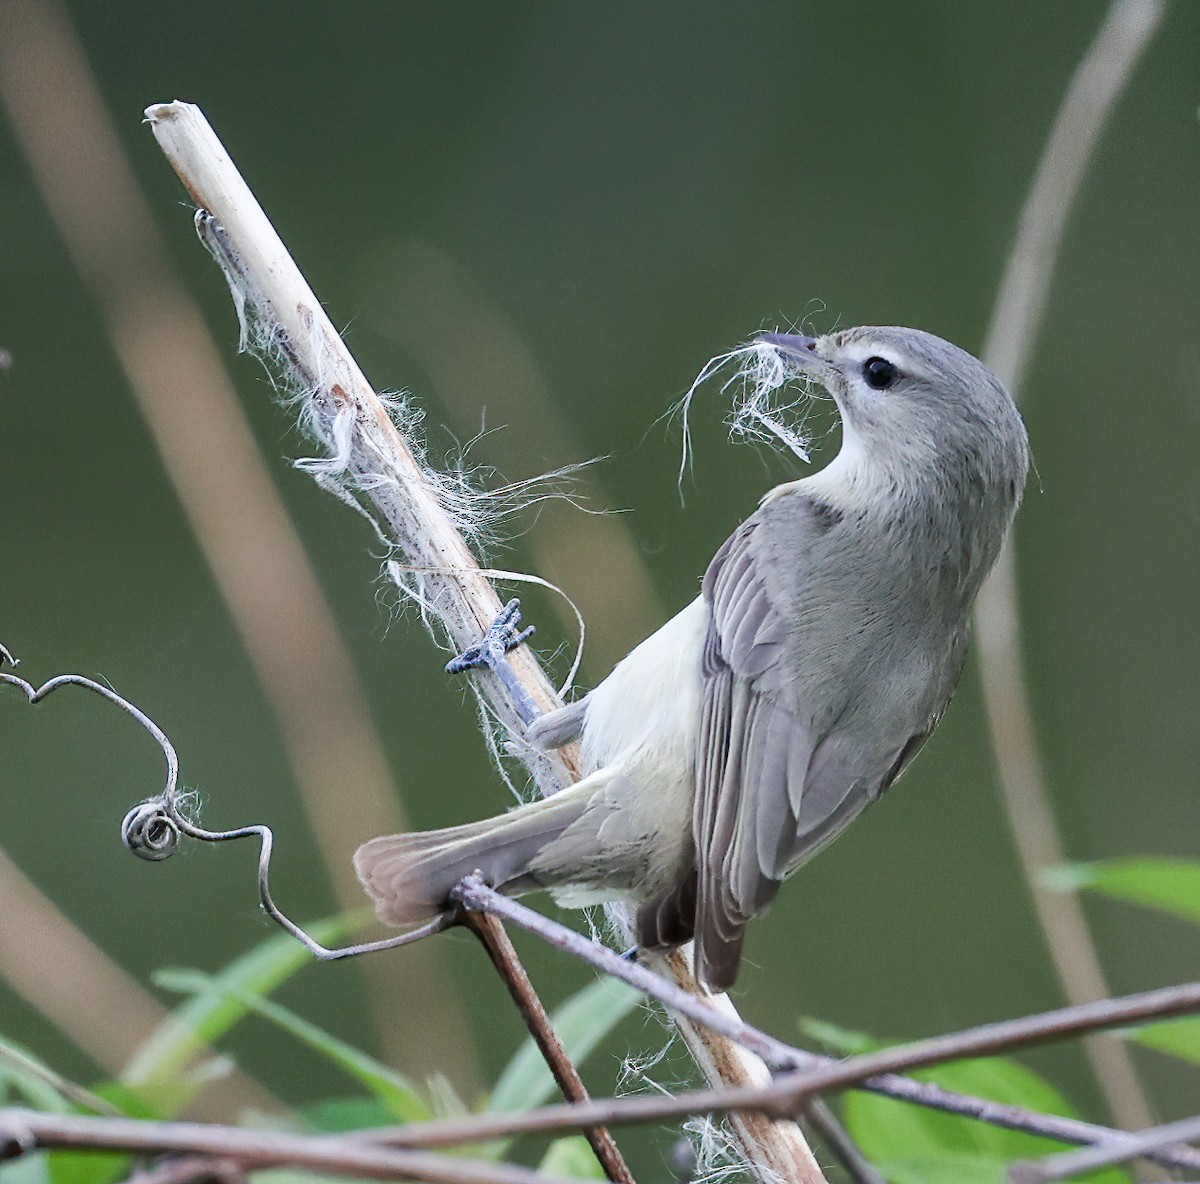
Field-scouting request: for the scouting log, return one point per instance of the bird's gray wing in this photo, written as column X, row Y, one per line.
column 769, row 792
column 751, row 748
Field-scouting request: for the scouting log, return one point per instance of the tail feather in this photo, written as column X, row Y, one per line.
column 669, row 919
column 410, row 876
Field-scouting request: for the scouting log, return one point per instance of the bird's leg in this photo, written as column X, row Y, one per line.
column 491, row 653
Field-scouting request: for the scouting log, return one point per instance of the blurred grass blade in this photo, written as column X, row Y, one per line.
column 1169, row 885
column 203, row 1020
column 946, row 1169
column 42, row 1087
column 392, row 1088
column 581, row 1023
column 339, row 1115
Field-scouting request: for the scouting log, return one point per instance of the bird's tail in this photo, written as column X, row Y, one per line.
column 410, row 877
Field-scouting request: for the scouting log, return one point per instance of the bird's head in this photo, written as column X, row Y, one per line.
column 916, row 411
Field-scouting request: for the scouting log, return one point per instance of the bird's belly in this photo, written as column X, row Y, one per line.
column 648, row 709
column 640, row 730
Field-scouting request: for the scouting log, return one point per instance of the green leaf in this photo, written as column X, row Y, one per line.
column 88, row 1167
column 581, row 1023
column 163, row 1057
column 898, row 1133
column 946, row 1169
column 1170, row 885
column 1177, row 1038
column 572, row 1158
column 844, row 1041
column 392, row 1088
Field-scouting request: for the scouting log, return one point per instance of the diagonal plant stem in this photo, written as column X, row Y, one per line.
column 416, row 290
column 491, row 933
column 371, row 462
column 1009, row 345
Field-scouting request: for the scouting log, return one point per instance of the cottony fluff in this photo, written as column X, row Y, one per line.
column 753, row 727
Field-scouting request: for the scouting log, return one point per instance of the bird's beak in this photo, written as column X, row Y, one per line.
column 799, row 354
column 791, row 343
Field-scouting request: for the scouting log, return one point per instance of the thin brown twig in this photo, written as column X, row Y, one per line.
column 1009, row 344
column 491, row 933
column 788, row 1092
column 473, row 893
column 781, row 1055
column 23, row 1131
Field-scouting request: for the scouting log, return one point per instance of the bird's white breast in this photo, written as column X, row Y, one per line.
column 647, row 710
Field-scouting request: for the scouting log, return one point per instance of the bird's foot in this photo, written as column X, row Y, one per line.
column 503, row 635
column 491, row 651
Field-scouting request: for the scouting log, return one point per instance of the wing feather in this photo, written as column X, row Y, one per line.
column 751, row 745
column 773, row 785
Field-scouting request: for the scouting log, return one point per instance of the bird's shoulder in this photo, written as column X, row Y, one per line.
column 776, row 550
column 756, row 575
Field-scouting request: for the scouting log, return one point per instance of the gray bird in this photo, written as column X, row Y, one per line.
column 744, row 735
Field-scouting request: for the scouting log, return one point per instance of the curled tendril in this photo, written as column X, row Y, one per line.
column 150, row 832
column 152, row 829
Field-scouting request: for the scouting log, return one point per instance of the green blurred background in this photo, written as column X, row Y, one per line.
column 583, row 204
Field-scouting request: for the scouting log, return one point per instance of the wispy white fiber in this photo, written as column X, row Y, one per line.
column 482, row 515
column 714, row 1146
column 757, row 412
column 718, row 1158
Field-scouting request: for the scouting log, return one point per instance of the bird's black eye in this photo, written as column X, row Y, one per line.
column 879, row 373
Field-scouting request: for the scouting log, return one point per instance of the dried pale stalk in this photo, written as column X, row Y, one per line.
column 375, row 462
column 1098, row 82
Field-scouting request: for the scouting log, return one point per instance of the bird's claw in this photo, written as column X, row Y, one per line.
column 503, row 635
